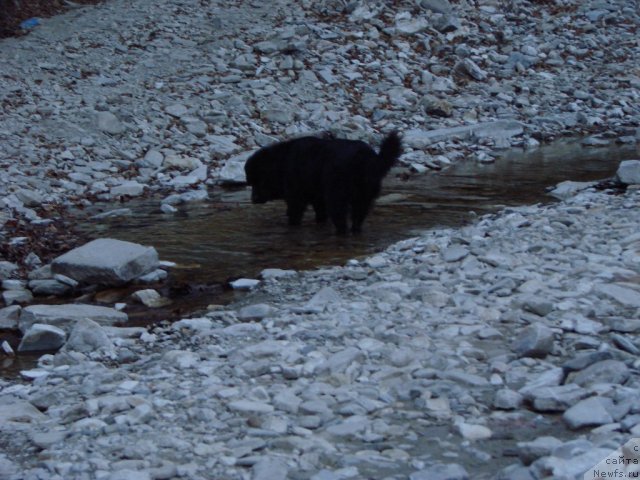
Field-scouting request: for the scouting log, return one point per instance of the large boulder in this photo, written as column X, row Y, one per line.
column 66, row 316
column 629, row 172
column 106, row 261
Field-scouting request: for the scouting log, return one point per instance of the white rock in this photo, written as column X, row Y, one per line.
column 88, row 336
column 244, row 284
column 629, row 172
column 106, row 261
column 151, row 298
column 473, row 432
column 109, row 123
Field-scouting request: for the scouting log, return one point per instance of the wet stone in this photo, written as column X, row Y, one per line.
column 606, row 371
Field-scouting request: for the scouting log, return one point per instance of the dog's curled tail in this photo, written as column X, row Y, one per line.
column 390, row 151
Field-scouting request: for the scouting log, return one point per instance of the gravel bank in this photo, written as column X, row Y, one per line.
column 504, row 349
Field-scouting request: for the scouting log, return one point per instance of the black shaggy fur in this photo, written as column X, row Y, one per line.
column 338, row 177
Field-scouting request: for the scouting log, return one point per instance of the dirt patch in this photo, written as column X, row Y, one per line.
column 14, row 12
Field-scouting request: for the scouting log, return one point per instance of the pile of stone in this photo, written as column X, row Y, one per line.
column 99, row 263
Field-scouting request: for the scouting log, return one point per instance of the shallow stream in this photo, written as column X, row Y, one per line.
column 228, row 237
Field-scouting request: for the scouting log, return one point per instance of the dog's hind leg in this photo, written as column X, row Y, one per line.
column 338, row 213
column 359, row 210
column 295, row 212
column 321, row 212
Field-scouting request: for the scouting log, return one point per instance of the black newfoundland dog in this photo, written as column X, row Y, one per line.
column 338, row 177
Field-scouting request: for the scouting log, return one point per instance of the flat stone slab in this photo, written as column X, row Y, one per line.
column 66, row 316
column 419, row 139
column 106, row 261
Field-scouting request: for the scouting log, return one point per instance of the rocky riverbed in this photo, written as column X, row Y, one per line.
column 507, row 348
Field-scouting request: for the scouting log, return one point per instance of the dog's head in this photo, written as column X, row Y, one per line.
column 264, row 174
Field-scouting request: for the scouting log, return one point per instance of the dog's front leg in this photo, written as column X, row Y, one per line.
column 295, row 212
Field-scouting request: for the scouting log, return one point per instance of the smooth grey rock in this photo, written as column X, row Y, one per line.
column 437, row 6
column 106, row 261
column 18, row 296
column 473, row 432
column 109, row 123
column 535, row 304
column 569, row 188
column 233, row 170
column 87, row 336
column 42, row 337
column 629, row 172
column 449, row 471
column 150, row 298
column 583, row 361
column 244, row 283
column 455, row 253
column 181, row 162
column 407, row 25
column 607, row 371
column 29, row 197
column 250, row 406
column 270, row 468
column 255, row 312
column 626, row 296
column 534, row 341
column 128, row 474
column 506, row 399
column 16, row 410
column 556, row 398
column 591, row 411
column 469, row 68
column 152, row 159
column 7, row 269
column 625, row 344
column 176, row 110
column 572, row 467
column 65, row 316
column 340, row 361
column 321, row 299
column 129, row 188
column 181, row 359
column 49, row 287
column 9, row 316
column 420, row 139
column 528, row 452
